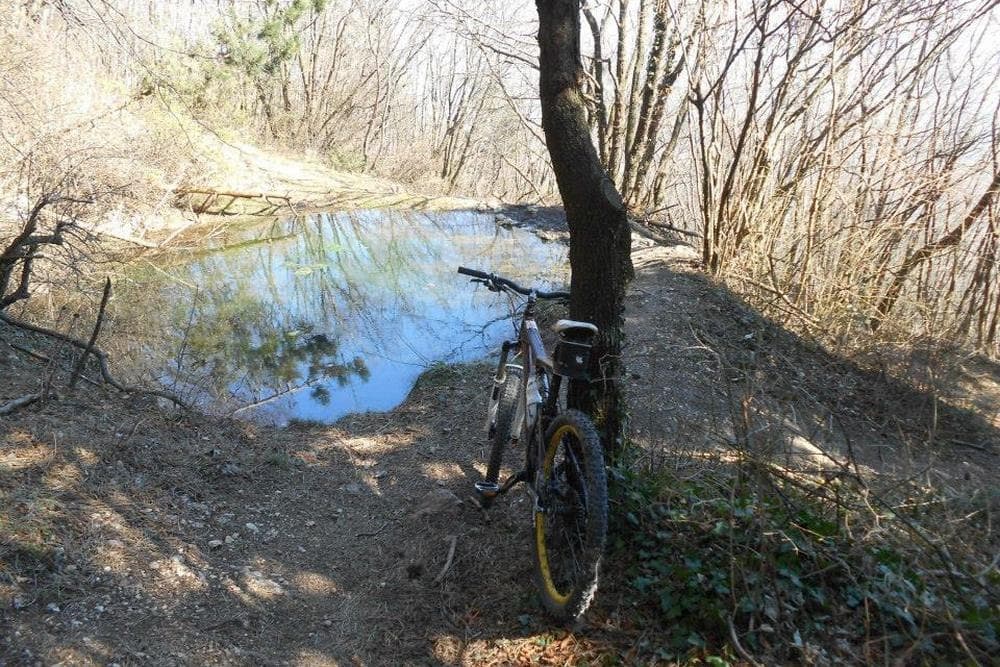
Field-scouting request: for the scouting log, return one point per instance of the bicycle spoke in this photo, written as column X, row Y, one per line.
column 567, row 517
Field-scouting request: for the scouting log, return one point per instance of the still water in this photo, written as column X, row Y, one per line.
column 316, row 317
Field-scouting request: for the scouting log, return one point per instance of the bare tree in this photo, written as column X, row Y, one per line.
column 600, row 238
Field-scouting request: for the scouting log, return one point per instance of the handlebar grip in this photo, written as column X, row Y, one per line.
column 494, row 280
column 472, row 272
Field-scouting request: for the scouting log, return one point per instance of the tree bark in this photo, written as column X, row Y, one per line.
column 617, row 121
column 600, row 239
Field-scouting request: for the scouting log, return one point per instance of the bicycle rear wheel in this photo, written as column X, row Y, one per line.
column 571, row 516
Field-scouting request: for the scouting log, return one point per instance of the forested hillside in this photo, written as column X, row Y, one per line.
column 835, row 163
column 242, row 386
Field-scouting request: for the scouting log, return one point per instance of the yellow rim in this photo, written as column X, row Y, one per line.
column 543, row 555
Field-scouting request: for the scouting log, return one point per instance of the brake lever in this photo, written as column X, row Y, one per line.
column 490, row 284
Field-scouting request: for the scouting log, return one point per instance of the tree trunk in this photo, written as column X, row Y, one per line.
column 600, row 240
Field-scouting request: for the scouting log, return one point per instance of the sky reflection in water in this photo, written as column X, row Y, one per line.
column 337, row 313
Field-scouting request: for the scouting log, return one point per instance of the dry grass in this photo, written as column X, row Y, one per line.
column 94, row 481
column 755, row 441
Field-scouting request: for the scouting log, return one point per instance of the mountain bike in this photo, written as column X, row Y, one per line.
column 563, row 458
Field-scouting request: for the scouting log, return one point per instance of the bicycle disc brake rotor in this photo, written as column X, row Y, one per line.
column 564, row 503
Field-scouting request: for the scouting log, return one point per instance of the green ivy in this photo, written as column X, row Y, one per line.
column 698, row 553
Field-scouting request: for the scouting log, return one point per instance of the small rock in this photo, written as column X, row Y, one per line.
column 353, row 488
column 252, row 527
column 230, row 469
column 202, row 508
column 52, row 607
column 327, row 622
column 230, row 539
column 214, row 544
column 549, row 236
column 310, row 524
column 436, row 501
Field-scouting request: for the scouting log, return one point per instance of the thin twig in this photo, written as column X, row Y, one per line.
column 269, row 399
column 47, row 359
column 739, row 647
column 102, row 358
column 965, row 647
column 671, row 228
column 219, row 624
column 970, row 445
column 447, row 562
column 82, row 361
column 373, row 534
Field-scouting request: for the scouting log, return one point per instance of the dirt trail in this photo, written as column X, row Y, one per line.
column 137, row 536
column 270, row 184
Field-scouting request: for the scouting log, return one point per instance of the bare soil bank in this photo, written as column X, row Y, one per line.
column 138, row 535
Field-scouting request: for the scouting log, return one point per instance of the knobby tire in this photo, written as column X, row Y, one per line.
column 571, row 516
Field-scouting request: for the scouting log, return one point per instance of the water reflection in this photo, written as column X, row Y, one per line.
column 316, row 317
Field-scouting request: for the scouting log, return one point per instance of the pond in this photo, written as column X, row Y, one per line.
column 316, row 317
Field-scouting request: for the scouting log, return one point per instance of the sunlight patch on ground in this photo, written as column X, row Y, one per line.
column 259, row 585
column 23, row 452
column 61, row 477
column 448, row 649
column 314, row 583
column 378, row 445
column 86, row 457
column 310, row 658
column 442, row 472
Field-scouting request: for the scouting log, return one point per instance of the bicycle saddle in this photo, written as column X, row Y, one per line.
column 569, row 325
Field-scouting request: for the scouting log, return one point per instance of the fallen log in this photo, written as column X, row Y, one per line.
column 219, row 202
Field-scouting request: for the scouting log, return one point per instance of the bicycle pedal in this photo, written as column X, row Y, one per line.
column 487, row 493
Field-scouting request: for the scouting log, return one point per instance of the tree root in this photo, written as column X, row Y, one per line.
column 13, row 405
column 99, row 354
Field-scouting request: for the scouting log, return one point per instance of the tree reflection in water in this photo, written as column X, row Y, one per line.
column 318, row 316
column 244, row 346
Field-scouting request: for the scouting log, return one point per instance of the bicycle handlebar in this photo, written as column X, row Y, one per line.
column 495, row 282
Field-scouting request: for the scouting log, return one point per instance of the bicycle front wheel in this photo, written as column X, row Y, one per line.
column 501, row 428
column 571, row 515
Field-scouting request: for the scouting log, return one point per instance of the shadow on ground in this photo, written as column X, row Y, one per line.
column 135, row 535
